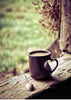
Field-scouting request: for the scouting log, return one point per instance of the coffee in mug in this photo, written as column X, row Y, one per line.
column 39, row 54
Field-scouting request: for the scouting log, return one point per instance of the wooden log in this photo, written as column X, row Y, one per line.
column 65, row 34
column 14, row 88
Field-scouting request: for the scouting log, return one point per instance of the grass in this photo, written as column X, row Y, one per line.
column 20, row 32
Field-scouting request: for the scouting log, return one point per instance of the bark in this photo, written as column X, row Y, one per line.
column 65, row 34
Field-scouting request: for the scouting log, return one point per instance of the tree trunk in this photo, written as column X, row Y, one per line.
column 65, row 32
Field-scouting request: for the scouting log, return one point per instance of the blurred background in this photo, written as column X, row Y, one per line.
column 20, row 33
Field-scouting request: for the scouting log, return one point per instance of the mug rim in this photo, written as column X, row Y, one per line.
column 46, row 51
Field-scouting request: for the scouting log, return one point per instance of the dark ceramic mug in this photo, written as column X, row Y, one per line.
column 38, row 64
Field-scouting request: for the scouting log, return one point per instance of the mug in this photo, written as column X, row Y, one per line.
column 39, row 67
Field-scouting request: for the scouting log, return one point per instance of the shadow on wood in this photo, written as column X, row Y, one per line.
column 61, row 90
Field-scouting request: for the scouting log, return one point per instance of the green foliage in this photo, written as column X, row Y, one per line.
column 20, row 31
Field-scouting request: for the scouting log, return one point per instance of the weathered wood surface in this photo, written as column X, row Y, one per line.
column 63, row 71
column 14, row 88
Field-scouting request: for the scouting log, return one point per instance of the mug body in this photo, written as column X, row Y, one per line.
column 36, row 63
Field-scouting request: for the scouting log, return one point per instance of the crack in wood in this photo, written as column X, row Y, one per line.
column 69, row 70
column 59, row 74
